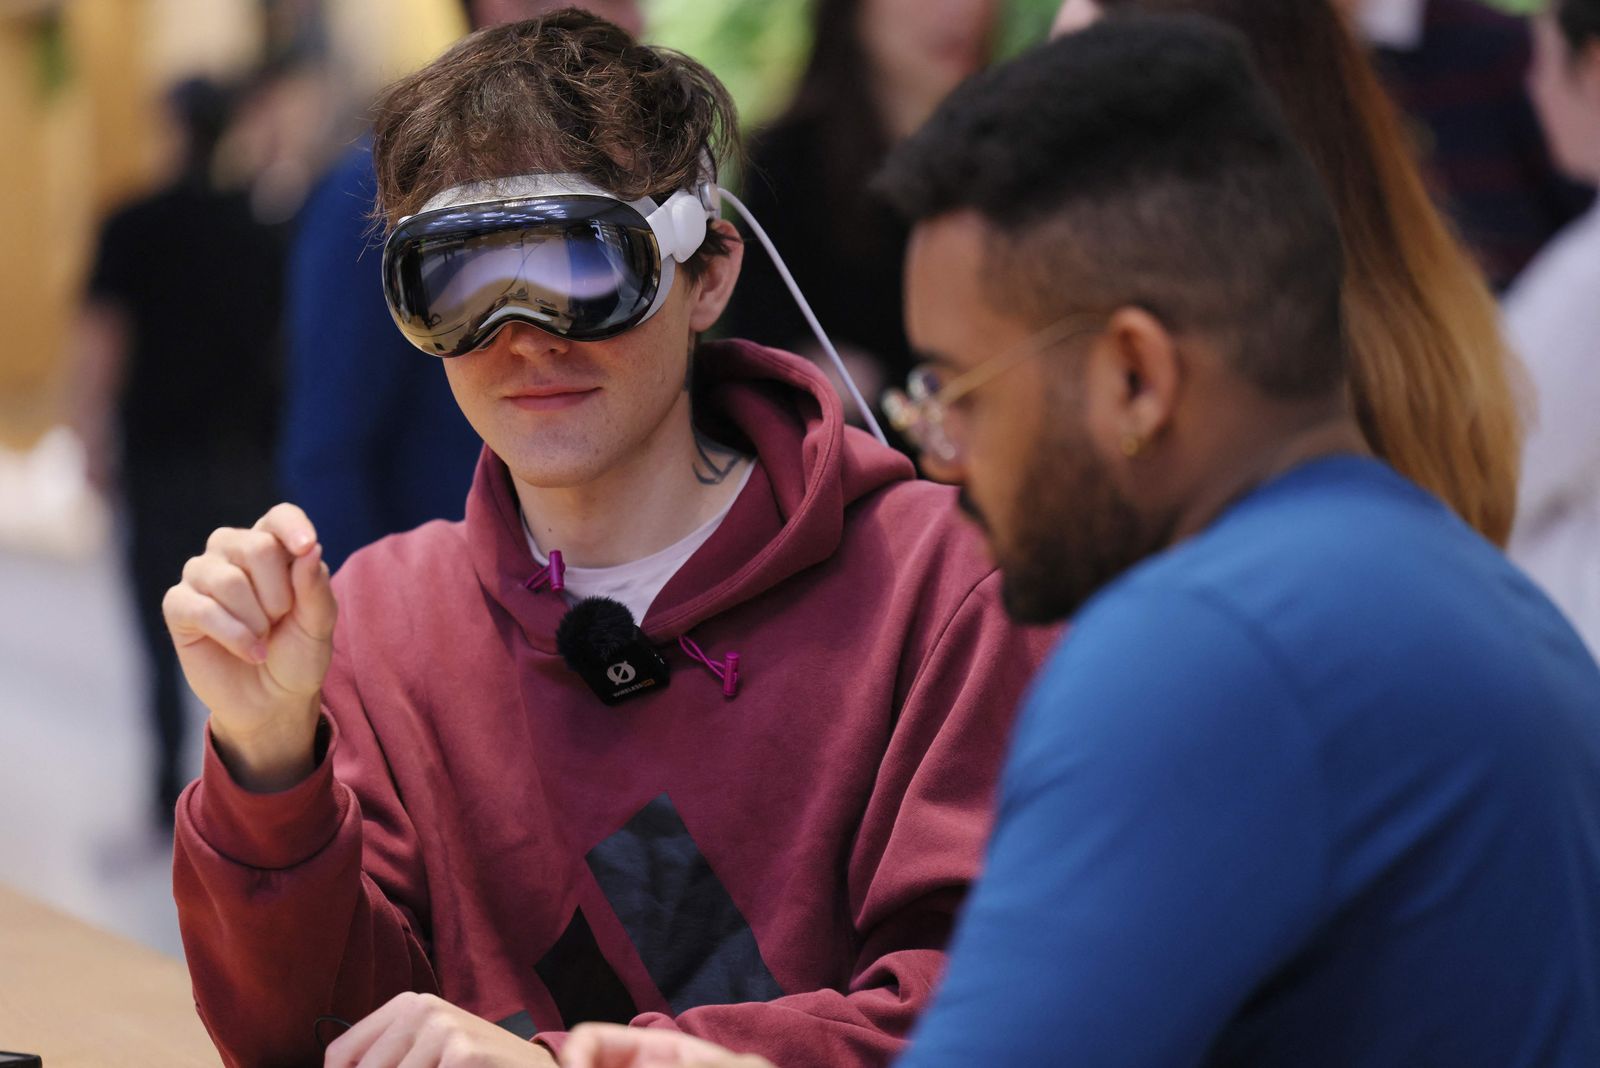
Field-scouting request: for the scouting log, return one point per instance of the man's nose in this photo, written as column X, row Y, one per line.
column 526, row 341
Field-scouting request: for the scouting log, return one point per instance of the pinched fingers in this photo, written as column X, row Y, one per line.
column 230, row 587
column 193, row 617
column 290, row 526
column 315, row 607
column 265, row 562
column 241, row 586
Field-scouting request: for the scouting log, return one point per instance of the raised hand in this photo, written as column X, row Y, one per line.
column 253, row 621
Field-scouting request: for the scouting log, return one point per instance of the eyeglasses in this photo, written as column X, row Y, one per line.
column 921, row 411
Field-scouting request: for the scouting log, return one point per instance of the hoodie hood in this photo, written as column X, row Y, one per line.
column 789, row 517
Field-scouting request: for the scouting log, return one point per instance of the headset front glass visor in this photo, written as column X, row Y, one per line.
column 584, row 267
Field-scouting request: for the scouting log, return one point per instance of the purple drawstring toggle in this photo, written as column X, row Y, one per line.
column 727, row 671
column 553, row 574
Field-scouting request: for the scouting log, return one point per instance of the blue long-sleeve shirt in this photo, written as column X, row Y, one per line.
column 1320, row 786
column 373, row 442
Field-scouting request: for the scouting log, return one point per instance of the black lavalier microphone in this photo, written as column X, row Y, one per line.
column 600, row 641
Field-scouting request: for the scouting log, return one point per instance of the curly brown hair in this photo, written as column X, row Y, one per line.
column 567, row 93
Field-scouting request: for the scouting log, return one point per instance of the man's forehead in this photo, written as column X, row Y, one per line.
column 948, row 303
column 945, row 259
column 952, row 231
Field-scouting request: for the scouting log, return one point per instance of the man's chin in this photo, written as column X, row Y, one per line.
column 554, row 462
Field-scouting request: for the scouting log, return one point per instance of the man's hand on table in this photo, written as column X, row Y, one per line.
column 611, row 1046
column 422, row 1031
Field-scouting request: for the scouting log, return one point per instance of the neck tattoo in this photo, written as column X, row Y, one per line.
column 713, row 463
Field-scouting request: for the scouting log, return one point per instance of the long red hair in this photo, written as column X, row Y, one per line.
column 1432, row 375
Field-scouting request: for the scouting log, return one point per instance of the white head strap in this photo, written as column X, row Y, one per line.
column 679, row 225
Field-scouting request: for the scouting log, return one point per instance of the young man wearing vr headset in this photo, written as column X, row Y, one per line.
column 424, row 819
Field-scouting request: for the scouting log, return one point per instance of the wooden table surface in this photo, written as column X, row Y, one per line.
column 82, row 998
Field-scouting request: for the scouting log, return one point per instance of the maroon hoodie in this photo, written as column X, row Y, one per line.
column 777, row 872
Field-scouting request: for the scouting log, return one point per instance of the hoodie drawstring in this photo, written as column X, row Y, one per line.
column 727, row 671
column 553, row 574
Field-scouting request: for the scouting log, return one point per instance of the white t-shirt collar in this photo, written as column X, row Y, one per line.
column 638, row 583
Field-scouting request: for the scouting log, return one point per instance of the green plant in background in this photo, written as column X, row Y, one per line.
column 757, row 46
column 1025, row 23
column 53, row 59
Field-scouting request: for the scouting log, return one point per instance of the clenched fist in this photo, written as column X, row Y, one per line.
column 252, row 621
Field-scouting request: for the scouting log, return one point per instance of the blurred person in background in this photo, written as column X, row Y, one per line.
column 1314, row 779
column 179, row 366
column 624, row 13
column 1553, row 316
column 1432, row 377
column 877, row 70
column 373, row 443
column 1458, row 69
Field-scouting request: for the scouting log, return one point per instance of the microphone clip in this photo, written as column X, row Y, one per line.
column 600, row 641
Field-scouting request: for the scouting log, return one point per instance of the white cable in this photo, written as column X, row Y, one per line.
column 805, row 309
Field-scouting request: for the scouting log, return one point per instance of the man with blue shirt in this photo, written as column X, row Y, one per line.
column 1315, row 777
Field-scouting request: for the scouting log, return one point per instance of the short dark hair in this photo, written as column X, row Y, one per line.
column 568, row 93
column 1142, row 162
column 1580, row 21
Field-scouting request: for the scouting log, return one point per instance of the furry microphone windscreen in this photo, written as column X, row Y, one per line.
column 593, row 632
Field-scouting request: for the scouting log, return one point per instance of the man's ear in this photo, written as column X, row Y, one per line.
column 1132, row 380
column 714, row 288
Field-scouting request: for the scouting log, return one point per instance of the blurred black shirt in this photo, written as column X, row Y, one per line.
column 200, row 283
column 844, row 247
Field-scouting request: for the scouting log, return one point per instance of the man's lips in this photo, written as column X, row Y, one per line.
column 550, row 398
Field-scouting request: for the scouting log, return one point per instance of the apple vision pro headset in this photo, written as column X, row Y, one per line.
column 559, row 253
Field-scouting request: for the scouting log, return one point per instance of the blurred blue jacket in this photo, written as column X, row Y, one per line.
column 373, row 442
